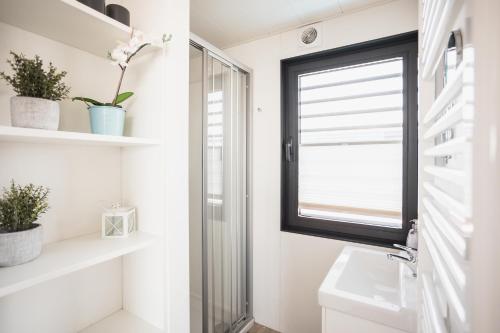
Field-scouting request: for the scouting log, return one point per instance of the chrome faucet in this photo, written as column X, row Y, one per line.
column 410, row 260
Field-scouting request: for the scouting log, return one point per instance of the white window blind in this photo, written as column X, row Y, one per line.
column 351, row 143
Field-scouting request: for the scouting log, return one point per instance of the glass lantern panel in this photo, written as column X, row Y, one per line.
column 131, row 222
column 114, row 226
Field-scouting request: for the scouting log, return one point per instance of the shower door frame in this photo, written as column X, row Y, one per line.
column 210, row 50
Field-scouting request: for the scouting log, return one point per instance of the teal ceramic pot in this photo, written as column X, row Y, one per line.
column 108, row 120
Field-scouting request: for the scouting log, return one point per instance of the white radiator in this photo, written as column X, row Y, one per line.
column 445, row 171
column 438, row 17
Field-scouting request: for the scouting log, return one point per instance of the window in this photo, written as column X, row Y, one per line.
column 349, row 164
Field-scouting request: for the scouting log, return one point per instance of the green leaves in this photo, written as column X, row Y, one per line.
column 31, row 80
column 122, row 97
column 119, row 99
column 88, row 101
column 21, row 206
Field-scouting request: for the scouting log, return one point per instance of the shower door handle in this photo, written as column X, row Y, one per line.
column 289, row 153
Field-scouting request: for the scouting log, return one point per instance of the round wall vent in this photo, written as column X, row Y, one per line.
column 309, row 35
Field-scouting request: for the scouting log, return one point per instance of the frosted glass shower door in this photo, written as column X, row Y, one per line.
column 225, row 227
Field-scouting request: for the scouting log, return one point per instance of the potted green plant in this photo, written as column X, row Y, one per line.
column 109, row 117
column 38, row 91
column 20, row 237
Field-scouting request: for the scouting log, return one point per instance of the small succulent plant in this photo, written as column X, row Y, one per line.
column 21, row 206
column 31, row 80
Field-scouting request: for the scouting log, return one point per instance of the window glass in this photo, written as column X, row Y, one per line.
column 351, row 143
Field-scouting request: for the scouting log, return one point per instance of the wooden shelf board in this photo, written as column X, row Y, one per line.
column 31, row 135
column 67, row 256
column 123, row 322
column 69, row 22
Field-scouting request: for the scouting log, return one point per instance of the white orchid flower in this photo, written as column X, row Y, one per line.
column 124, row 52
column 136, row 40
column 118, row 55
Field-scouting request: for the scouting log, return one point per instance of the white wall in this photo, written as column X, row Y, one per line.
column 288, row 268
column 486, row 178
column 175, row 17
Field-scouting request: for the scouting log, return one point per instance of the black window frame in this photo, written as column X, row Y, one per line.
column 403, row 45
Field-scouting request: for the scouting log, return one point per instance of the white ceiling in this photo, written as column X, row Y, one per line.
column 226, row 23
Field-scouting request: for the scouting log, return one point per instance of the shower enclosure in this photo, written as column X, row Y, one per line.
column 219, row 237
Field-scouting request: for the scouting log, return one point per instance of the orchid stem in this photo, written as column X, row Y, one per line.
column 119, row 85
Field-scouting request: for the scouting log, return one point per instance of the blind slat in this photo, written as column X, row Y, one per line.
column 360, row 80
column 350, row 128
column 357, row 96
column 352, row 112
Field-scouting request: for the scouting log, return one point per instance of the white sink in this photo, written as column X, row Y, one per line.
column 363, row 283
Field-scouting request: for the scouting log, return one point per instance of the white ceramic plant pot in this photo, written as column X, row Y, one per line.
column 20, row 247
column 34, row 113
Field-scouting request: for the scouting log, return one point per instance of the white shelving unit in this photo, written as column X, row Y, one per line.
column 87, row 172
column 123, row 322
column 68, row 256
column 84, row 28
column 30, row 135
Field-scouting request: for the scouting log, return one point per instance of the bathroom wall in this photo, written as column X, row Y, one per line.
column 486, row 185
column 289, row 268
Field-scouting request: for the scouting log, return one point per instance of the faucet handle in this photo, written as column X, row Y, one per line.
column 404, row 247
column 411, row 251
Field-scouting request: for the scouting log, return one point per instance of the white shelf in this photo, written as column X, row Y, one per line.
column 68, row 22
column 31, row 135
column 67, row 256
column 123, row 322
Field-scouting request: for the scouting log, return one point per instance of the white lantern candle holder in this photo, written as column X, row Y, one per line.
column 118, row 222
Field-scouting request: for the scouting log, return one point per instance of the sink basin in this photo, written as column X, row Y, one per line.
column 365, row 284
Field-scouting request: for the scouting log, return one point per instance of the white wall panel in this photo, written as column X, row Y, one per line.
column 288, row 268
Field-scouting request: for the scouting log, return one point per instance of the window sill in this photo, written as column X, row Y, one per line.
column 339, row 236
